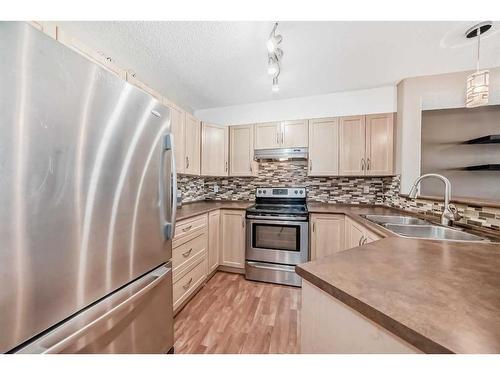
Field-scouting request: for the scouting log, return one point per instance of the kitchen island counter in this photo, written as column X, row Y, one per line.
column 438, row 296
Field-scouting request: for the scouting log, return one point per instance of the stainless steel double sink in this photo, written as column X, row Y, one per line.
column 408, row 226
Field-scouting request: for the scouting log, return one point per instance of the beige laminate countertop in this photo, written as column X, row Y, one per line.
column 440, row 296
column 197, row 208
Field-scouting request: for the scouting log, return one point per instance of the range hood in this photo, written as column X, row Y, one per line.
column 281, row 154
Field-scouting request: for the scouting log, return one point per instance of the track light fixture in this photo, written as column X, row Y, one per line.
column 274, row 56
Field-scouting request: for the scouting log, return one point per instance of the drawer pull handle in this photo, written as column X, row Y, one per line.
column 188, row 284
column 187, row 228
column 360, row 242
column 186, row 254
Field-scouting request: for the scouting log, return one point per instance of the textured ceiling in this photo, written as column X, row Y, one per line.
column 212, row 64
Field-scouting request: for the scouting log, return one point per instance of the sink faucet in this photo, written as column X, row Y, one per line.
column 450, row 213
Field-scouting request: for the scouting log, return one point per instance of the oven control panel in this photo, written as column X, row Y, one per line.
column 281, row 192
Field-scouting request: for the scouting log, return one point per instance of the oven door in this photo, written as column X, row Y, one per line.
column 277, row 241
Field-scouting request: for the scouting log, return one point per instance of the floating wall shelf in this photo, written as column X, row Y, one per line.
column 494, row 138
column 484, row 167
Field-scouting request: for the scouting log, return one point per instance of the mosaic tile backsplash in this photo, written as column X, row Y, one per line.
column 478, row 216
column 353, row 190
column 368, row 190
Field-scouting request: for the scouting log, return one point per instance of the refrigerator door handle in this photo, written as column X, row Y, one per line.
column 159, row 275
column 168, row 227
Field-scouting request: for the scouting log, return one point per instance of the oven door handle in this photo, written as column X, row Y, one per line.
column 280, row 267
column 288, row 218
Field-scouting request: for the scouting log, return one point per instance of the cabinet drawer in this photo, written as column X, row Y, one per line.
column 186, row 227
column 183, row 255
column 187, row 283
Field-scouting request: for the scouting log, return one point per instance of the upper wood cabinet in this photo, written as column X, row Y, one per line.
column 241, row 150
column 379, row 144
column 284, row 134
column 327, row 234
column 132, row 79
column 178, row 129
column 98, row 57
column 192, row 145
column 214, row 150
column 352, row 146
column 233, row 238
column 47, row 27
column 366, row 145
column 213, row 240
column 323, row 147
column 294, row 134
column 267, row 135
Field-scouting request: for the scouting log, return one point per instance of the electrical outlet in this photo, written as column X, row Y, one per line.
column 366, row 189
column 216, row 188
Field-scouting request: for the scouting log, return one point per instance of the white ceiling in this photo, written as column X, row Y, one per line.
column 213, row 64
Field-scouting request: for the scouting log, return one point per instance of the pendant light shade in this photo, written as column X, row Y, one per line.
column 478, row 84
column 477, row 92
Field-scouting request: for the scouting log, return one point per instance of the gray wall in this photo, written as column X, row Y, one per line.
column 443, row 151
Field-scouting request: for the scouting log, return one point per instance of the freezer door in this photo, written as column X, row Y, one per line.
column 135, row 319
column 85, row 183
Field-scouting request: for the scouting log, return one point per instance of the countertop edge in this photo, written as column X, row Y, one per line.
column 414, row 338
column 216, row 205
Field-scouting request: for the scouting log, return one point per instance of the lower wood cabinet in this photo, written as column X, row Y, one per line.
column 327, row 234
column 331, row 233
column 213, row 240
column 356, row 234
column 188, row 281
column 233, row 225
column 189, row 257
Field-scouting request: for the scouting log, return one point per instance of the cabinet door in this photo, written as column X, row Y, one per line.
column 192, row 145
column 327, row 235
column 294, row 134
column 177, row 118
column 371, row 237
column 213, row 240
column 241, row 150
column 233, row 238
column 379, row 144
column 323, row 147
column 267, row 135
column 354, row 233
column 352, row 146
column 97, row 57
column 214, row 150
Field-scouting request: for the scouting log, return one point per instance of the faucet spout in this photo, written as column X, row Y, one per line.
column 450, row 213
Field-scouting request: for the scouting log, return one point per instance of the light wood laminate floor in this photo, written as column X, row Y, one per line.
column 234, row 315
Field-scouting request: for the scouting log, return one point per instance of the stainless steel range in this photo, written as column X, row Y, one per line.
column 277, row 235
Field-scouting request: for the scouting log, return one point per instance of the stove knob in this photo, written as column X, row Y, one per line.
column 302, row 192
column 296, row 192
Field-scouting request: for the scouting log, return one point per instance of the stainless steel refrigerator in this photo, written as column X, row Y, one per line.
column 87, row 205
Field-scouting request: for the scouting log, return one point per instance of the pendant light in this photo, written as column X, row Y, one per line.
column 477, row 88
